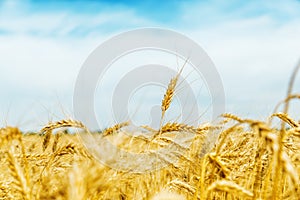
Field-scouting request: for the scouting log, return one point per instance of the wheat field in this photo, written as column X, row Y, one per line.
column 250, row 159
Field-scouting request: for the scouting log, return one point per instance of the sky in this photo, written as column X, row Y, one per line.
column 254, row 45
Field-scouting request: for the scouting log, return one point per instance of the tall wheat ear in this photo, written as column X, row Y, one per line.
column 169, row 94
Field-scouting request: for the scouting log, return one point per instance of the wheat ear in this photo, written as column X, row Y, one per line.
column 286, row 118
column 114, row 128
column 169, row 127
column 47, row 130
column 169, row 94
column 19, row 179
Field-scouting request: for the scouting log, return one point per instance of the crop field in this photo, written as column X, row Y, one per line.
column 250, row 159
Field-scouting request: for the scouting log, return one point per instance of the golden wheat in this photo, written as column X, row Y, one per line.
column 168, row 96
column 251, row 159
column 47, row 130
column 114, row 128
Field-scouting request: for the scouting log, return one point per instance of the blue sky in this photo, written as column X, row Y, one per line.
column 254, row 45
column 105, row 16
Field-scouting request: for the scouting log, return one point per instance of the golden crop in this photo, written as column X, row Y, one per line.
column 251, row 159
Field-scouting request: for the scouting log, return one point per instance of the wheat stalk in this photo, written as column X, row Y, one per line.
column 289, row 169
column 278, row 167
column 287, row 99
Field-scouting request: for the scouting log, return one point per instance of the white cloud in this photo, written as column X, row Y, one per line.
column 255, row 61
column 41, row 57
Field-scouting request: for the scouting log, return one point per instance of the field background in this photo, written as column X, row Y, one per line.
column 248, row 161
